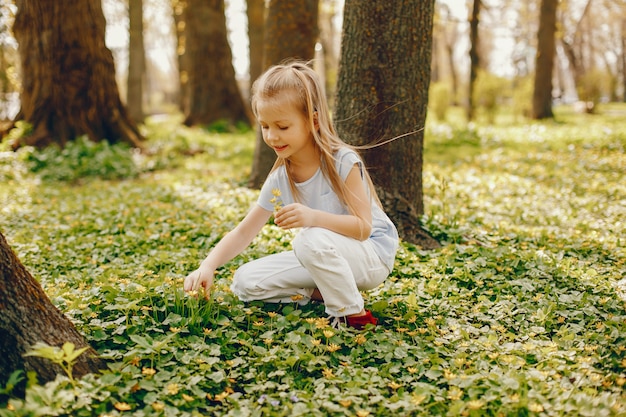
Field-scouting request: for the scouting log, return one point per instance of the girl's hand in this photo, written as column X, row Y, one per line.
column 201, row 277
column 294, row 215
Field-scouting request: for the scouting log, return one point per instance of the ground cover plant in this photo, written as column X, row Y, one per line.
column 519, row 312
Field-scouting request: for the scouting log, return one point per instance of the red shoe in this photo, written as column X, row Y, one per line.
column 356, row 322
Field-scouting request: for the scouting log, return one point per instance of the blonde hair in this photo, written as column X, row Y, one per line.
column 301, row 82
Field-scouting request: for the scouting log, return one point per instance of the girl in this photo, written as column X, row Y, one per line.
column 319, row 184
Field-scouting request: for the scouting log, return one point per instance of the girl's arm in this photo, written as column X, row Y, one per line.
column 357, row 226
column 231, row 245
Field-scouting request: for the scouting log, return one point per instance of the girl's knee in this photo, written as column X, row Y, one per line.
column 313, row 242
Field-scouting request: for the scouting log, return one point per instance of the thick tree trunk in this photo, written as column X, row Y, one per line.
column 544, row 66
column 382, row 93
column 136, row 61
column 290, row 32
column 68, row 74
column 26, row 317
column 474, row 57
column 213, row 91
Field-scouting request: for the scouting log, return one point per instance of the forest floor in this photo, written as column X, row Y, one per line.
column 517, row 313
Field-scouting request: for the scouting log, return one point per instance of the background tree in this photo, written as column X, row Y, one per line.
column 136, row 61
column 68, row 74
column 546, row 50
column 474, row 21
column 382, row 93
column 213, row 93
column 255, row 12
column 290, row 32
column 26, row 317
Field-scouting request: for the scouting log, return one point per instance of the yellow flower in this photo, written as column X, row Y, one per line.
column 394, row 385
column 122, row 406
column 316, row 342
column 360, row 338
column 259, row 323
column 158, row 406
column 329, row 333
column 187, row 398
column 455, row 393
column 345, row 403
column 297, row 297
column 148, row 371
column 417, row 399
column 535, row 408
column 362, row 413
column 272, row 314
column 328, row 373
column 207, row 331
column 174, row 329
column 474, row 404
column 333, row 347
column 411, row 370
column 172, row 389
column 276, row 201
column 222, row 396
column 268, row 341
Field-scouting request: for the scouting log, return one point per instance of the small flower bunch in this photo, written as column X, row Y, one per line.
column 276, row 201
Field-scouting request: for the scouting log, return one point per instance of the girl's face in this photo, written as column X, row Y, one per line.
column 285, row 129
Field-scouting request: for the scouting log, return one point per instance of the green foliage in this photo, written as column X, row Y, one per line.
column 82, row 158
column 439, row 100
column 593, row 85
column 489, row 91
column 64, row 356
column 517, row 314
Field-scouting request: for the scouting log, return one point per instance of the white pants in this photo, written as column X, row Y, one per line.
column 337, row 265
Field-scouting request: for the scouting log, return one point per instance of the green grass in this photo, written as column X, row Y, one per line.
column 517, row 313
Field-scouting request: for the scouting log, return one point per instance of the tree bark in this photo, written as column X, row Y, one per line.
column 256, row 21
column 26, row 317
column 382, row 93
column 213, row 91
column 544, row 66
column 68, row 75
column 474, row 57
column 136, row 61
column 290, row 32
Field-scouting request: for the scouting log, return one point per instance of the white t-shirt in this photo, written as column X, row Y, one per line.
column 317, row 193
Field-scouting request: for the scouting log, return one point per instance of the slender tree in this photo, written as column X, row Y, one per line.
column 290, row 32
column 546, row 51
column 212, row 93
column 26, row 317
column 382, row 93
column 256, row 19
column 68, row 74
column 136, row 61
column 474, row 54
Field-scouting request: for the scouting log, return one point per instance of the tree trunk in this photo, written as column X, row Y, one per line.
column 546, row 51
column 382, row 93
column 624, row 59
column 68, row 75
column 178, row 12
column 136, row 61
column 26, row 317
column 256, row 20
column 290, row 32
column 213, row 91
column 474, row 57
